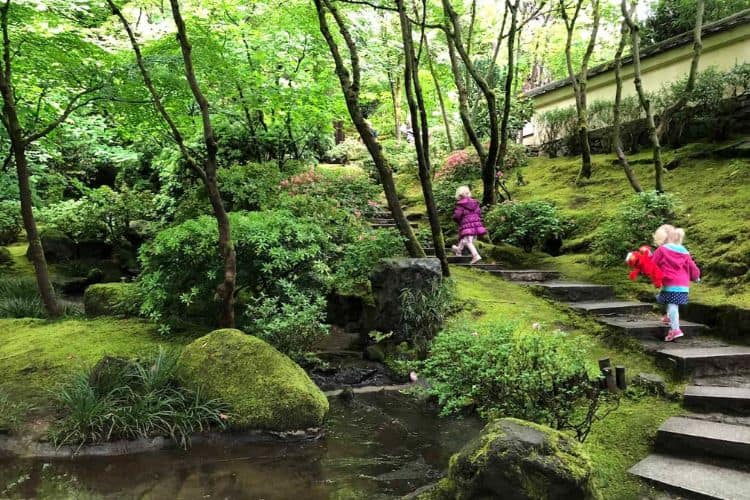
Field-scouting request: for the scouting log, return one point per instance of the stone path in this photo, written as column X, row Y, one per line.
column 706, row 452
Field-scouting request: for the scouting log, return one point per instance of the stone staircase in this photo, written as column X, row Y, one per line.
column 706, row 452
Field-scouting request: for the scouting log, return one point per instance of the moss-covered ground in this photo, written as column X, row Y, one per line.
column 37, row 355
column 714, row 200
column 625, row 436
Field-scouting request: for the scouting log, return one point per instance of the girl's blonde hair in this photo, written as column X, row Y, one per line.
column 669, row 234
column 463, row 192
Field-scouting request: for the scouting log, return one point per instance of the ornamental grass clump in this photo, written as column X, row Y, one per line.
column 122, row 399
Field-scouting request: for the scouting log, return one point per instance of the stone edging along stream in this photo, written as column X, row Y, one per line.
column 18, row 447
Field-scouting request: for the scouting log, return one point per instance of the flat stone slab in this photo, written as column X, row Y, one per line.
column 534, row 276
column 570, row 291
column 640, row 327
column 464, row 259
column 708, row 360
column 712, row 480
column 611, row 307
column 693, row 436
column 718, row 398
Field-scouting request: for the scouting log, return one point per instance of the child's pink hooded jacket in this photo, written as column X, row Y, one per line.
column 678, row 267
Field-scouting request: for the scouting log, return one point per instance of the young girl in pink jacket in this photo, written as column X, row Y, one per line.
column 679, row 271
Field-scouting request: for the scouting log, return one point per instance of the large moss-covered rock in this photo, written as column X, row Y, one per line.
column 518, row 460
column 265, row 389
column 112, row 299
column 58, row 247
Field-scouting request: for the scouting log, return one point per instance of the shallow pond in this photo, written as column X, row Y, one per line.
column 380, row 445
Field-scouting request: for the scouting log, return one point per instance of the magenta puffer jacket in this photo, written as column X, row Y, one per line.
column 468, row 215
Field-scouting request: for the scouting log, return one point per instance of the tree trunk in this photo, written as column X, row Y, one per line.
column 418, row 114
column 350, row 87
column 395, row 84
column 508, row 89
column 579, row 81
column 439, row 92
column 616, row 127
column 665, row 119
column 18, row 147
column 643, row 98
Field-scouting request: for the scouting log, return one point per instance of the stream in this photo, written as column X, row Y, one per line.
column 377, row 446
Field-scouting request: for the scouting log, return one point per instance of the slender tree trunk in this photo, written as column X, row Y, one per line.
column 463, row 104
column 418, row 113
column 439, row 92
column 579, row 81
column 18, row 147
column 643, row 98
column 665, row 119
column 395, row 84
column 350, row 85
column 508, row 89
column 616, row 132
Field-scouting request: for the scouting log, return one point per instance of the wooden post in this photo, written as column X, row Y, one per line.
column 622, row 382
column 611, row 380
column 338, row 134
column 604, row 363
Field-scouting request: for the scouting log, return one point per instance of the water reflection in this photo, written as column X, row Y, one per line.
column 377, row 446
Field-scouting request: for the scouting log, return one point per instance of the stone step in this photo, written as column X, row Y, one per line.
column 378, row 220
column 718, row 398
column 706, row 478
column 391, row 225
column 647, row 328
column 535, row 276
column 577, row 292
column 611, row 307
column 702, row 361
column 464, row 259
column 690, row 436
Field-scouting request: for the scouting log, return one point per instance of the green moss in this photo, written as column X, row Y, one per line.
column 112, row 299
column 265, row 389
column 21, row 264
column 37, row 355
column 6, row 258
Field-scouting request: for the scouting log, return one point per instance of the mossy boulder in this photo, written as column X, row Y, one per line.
column 265, row 389
column 112, row 299
column 58, row 247
column 518, row 460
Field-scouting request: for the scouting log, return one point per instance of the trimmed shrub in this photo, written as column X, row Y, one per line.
column 264, row 389
column 10, row 222
column 112, row 299
column 525, row 224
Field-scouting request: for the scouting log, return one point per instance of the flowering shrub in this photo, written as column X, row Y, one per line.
column 351, row 191
column 460, row 165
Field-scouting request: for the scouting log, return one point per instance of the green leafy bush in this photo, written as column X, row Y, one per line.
column 112, row 299
column 252, row 186
column 349, row 150
column 10, row 222
column 351, row 190
column 121, row 399
column 525, row 224
column 101, row 214
column 633, row 226
column 292, row 324
column 502, row 371
column 182, row 266
column 352, row 270
column 423, row 312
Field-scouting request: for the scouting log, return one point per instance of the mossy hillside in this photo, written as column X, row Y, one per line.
column 112, row 299
column 265, row 389
column 626, row 435
column 715, row 208
column 38, row 355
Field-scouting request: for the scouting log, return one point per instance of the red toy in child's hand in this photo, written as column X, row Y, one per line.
column 639, row 261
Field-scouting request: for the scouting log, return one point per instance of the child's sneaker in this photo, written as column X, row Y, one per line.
column 673, row 335
column 665, row 320
column 476, row 259
column 456, row 251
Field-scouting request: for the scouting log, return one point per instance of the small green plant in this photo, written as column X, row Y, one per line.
column 525, row 224
column 292, row 324
column 122, row 399
column 633, row 226
column 424, row 311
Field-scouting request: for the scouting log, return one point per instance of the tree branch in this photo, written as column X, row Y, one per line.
column 74, row 104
